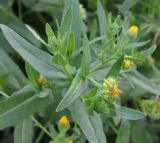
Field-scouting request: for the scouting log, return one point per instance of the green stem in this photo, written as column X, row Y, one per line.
column 67, row 72
column 20, row 9
column 96, row 67
column 4, row 94
column 39, row 137
column 42, row 132
column 95, row 82
column 113, row 128
column 38, row 124
column 101, row 65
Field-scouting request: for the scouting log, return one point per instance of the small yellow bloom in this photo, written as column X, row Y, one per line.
column 133, row 30
column 64, row 121
column 127, row 64
column 41, row 80
column 115, row 91
column 70, row 141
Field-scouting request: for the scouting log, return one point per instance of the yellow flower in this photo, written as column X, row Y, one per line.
column 83, row 14
column 64, row 121
column 127, row 64
column 41, row 80
column 133, row 30
column 110, row 87
column 115, row 91
column 69, row 141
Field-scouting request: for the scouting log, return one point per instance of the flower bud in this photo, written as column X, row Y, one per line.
column 83, row 14
column 63, row 121
column 127, row 64
column 151, row 108
column 41, row 80
column 133, row 30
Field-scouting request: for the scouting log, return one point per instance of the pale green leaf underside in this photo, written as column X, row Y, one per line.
column 23, row 131
column 39, row 60
column 89, row 127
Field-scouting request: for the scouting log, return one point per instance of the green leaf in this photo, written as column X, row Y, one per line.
column 86, row 58
column 66, row 23
column 71, row 44
column 90, row 98
column 91, row 127
column 124, row 132
column 143, row 82
column 39, row 60
column 139, row 127
column 102, row 19
column 49, row 31
column 23, row 132
column 3, row 78
column 9, row 67
column 116, row 67
column 127, row 4
column 77, row 87
column 129, row 114
column 35, row 34
column 98, row 127
column 99, row 75
column 20, row 106
column 32, row 75
column 139, row 44
column 59, row 60
column 93, row 30
column 76, row 23
column 52, row 40
column 43, row 93
column 149, row 51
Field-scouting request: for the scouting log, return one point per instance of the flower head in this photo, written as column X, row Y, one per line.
column 83, row 14
column 110, row 88
column 63, row 121
column 133, row 30
column 127, row 64
column 151, row 108
column 41, row 80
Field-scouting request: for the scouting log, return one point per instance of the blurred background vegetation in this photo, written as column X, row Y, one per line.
column 36, row 13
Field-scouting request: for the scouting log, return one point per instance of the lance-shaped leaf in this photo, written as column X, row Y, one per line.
column 39, row 60
column 59, row 60
column 127, row 113
column 139, row 44
column 86, row 58
column 123, row 134
column 102, row 19
column 76, row 23
column 77, row 87
column 66, row 23
column 127, row 4
column 149, row 51
column 35, row 34
column 71, row 43
column 32, row 76
column 116, row 67
column 23, row 132
column 90, row 126
column 143, row 82
column 8, row 67
column 52, row 40
column 20, row 106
